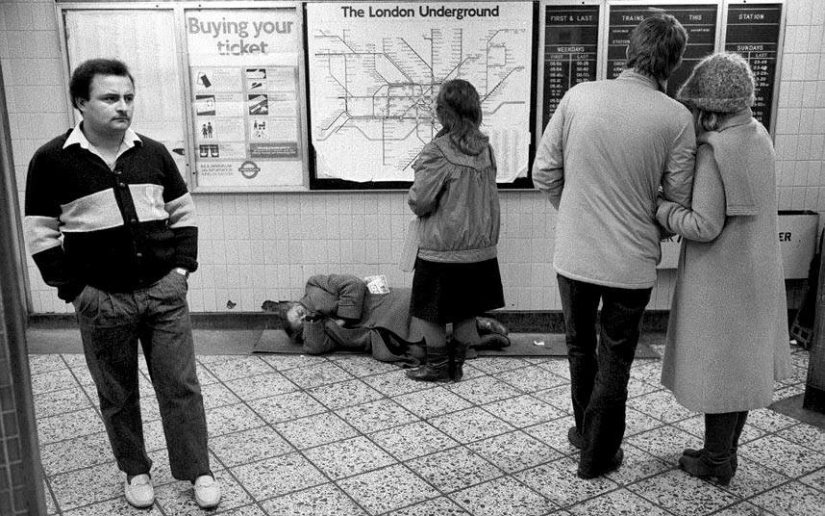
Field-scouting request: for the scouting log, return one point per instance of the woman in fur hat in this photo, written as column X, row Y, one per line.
column 727, row 338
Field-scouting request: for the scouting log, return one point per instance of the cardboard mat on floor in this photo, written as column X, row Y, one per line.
column 241, row 342
column 521, row 345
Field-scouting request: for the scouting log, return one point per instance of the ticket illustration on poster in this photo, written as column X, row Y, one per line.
column 245, row 97
column 219, row 104
column 217, row 79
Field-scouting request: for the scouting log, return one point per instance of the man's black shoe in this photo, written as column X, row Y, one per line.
column 574, row 438
column 611, row 466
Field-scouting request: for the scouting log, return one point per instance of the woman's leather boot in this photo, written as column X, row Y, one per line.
column 458, row 354
column 435, row 370
column 702, row 467
column 741, row 418
column 715, row 460
column 734, row 460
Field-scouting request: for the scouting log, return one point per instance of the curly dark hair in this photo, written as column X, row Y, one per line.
column 85, row 72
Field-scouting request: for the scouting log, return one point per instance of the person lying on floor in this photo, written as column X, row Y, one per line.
column 341, row 312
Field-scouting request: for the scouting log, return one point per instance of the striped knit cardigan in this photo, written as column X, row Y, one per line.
column 116, row 230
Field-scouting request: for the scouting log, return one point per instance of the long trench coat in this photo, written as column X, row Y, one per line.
column 379, row 324
column 727, row 339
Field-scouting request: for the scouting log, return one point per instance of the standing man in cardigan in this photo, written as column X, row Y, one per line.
column 607, row 152
column 109, row 222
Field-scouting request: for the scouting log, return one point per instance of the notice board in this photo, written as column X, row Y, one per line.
column 375, row 70
column 245, row 97
column 571, row 51
column 585, row 40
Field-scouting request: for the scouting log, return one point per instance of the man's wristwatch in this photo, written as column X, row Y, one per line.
column 183, row 272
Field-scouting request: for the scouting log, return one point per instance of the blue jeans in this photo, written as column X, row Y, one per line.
column 599, row 379
column 111, row 324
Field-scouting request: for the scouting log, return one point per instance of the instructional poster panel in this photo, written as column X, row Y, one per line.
column 752, row 30
column 698, row 20
column 246, row 115
column 571, row 45
column 376, row 68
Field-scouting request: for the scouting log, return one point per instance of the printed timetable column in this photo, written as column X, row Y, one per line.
column 698, row 20
column 753, row 31
column 570, row 50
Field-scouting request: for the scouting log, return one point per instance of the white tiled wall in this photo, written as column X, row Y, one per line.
column 257, row 247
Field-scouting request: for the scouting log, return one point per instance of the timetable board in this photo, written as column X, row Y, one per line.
column 571, row 46
column 586, row 40
column 753, row 30
column 700, row 22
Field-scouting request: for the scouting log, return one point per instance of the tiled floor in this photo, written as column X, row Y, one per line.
column 348, row 436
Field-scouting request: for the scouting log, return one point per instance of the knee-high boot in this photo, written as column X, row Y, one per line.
column 458, row 354
column 436, row 369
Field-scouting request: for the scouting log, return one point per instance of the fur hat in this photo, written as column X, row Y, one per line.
column 720, row 83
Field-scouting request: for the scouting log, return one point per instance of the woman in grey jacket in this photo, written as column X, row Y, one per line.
column 727, row 338
column 456, row 199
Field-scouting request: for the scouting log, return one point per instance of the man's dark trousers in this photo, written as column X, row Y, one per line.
column 599, row 380
column 111, row 323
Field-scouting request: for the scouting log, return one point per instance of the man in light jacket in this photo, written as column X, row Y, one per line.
column 607, row 152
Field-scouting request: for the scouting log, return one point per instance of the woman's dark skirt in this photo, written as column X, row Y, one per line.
column 451, row 292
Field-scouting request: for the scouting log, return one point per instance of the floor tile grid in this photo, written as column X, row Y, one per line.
column 420, row 457
column 421, row 387
column 569, row 454
column 663, row 423
column 217, row 465
column 47, row 364
column 521, row 364
column 293, row 448
column 58, row 363
column 304, row 452
column 212, row 365
column 414, row 387
column 791, row 482
column 755, row 493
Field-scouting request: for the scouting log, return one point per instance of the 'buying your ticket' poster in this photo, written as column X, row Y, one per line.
column 245, row 97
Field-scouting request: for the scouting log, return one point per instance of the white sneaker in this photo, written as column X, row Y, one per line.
column 207, row 492
column 139, row 492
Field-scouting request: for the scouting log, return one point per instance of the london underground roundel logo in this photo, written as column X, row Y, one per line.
column 249, row 169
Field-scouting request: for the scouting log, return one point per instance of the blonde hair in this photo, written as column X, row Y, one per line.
column 710, row 120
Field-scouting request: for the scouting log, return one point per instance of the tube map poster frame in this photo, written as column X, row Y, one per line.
column 375, row 70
